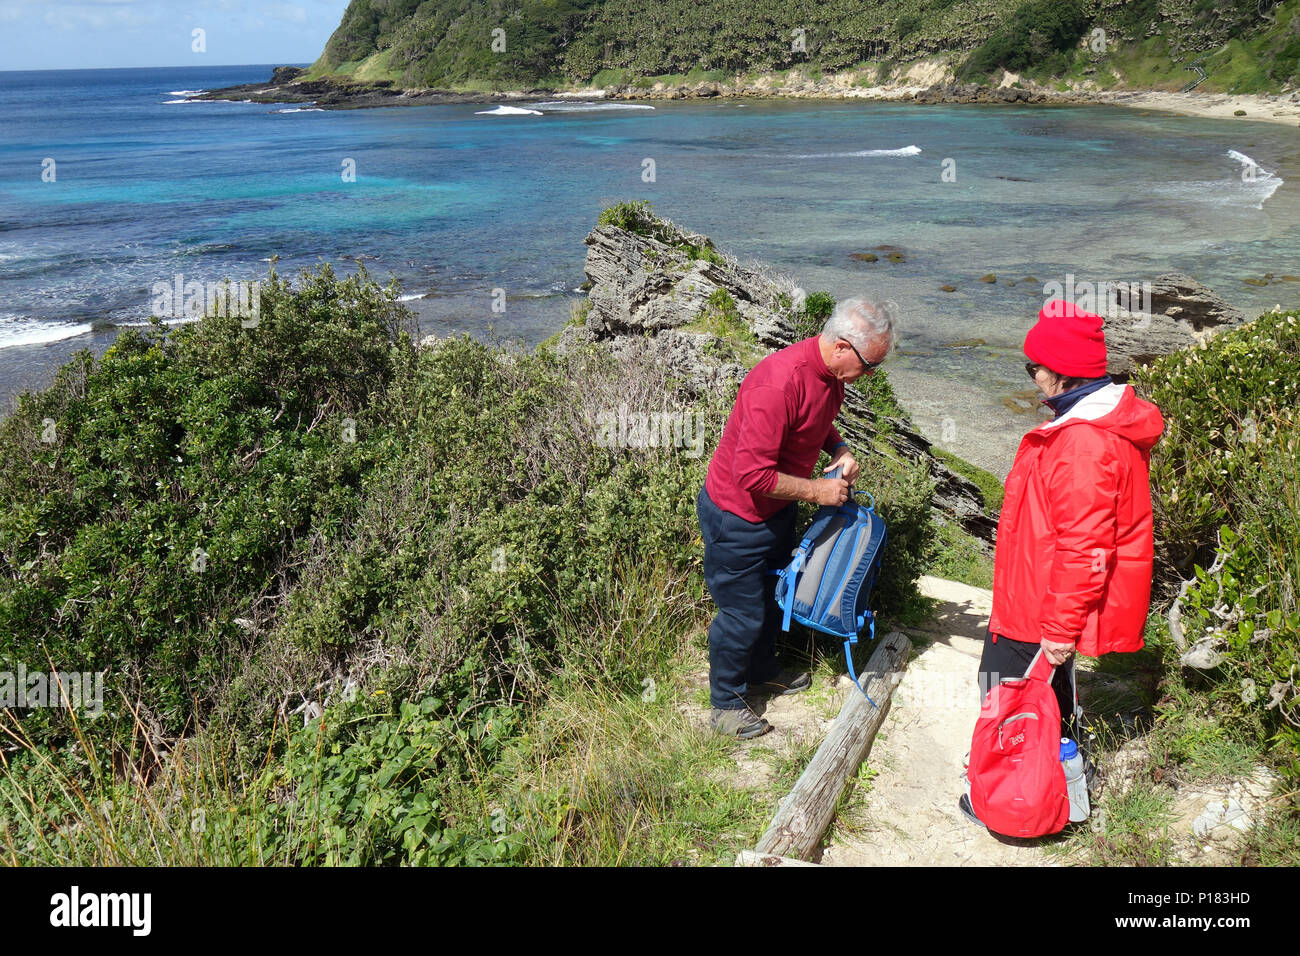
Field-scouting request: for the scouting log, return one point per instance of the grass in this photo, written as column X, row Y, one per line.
column 720, row 317
column 957, row 556
column 606, row 780
column 989, row 484
column 596, row 774
column 1129, row 825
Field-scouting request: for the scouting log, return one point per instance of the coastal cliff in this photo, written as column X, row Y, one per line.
column 962, row 51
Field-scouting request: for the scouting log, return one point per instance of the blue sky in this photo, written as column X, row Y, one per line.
column 72, row 34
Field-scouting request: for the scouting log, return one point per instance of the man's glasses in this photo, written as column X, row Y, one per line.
column 1032, row 368
column 866, row 366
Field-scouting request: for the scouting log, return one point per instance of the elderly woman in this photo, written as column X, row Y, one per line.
column 1072, row 570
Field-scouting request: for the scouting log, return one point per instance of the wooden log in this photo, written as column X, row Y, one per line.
column 802, row 817
column 751, row 858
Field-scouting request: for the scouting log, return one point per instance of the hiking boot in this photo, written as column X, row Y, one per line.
column 740, row 723
column 788, row 681
column 968, row 811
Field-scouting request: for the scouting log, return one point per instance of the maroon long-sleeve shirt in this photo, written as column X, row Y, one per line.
column 782, row 419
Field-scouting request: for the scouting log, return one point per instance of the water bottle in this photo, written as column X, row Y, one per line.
column 1075, row 783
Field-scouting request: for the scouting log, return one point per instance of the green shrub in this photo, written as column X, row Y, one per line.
column 1036, row 34
column 186, row 469
column 722, row 318
column 1225, row 482
column 817, row 308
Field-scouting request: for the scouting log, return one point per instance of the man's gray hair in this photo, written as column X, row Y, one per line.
column 862, row 322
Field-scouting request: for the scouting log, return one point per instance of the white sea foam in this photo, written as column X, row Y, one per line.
column 580, row 106
column 904, row 151
column 1249, row 187
column 412, row 297
column 18, row 331
column 301, row 109
column 1259, row 182
column 168, row 102
column 508, row 111
column 185, row 92
column 183, row 320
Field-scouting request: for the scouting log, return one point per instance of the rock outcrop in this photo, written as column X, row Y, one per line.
column 645, row 290
column 286, row 74
column 1181, row 312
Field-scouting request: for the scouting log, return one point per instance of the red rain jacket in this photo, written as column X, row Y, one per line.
column 1074, row 548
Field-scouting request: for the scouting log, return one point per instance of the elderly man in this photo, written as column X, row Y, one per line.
column 781, row 422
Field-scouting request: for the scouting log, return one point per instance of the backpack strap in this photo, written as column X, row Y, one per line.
column 791, row 576
column 848, row 657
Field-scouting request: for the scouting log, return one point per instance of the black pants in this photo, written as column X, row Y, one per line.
column 1008, row 658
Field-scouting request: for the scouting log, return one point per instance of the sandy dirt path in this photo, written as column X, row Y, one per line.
column 910, row 816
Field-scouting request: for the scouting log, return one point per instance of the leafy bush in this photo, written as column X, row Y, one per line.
column 1225, row 483
column 722, row 318
column 817, row 308
column 154, row 497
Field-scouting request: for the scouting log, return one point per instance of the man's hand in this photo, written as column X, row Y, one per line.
column 848, row 463
column 1058, row 654
column 831, row 491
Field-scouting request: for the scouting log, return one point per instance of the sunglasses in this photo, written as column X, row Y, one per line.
column 866, row 366
column 1032, row 368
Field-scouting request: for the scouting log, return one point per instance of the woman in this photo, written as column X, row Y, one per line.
column 1072, row 569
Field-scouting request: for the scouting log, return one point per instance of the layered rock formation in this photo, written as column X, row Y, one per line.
column 646, row 288
column 1180, row 313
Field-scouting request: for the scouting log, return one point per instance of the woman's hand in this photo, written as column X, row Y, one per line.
column 1058, row 654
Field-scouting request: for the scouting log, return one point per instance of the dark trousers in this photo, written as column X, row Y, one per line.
column 737, row 556
column 1008, row 658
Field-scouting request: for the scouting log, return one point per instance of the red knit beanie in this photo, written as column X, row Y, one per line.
column 1068, row 340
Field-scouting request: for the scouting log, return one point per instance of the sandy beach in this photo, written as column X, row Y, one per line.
column 931, row 80
column 1284, row 108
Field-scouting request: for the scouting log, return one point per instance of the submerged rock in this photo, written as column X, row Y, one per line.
column 864, row 256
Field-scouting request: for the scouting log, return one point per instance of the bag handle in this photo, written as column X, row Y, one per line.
column 1040, row 668
column 1035, row 671
column 854, row 492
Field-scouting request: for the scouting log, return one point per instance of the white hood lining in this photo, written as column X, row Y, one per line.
column 1093, row 405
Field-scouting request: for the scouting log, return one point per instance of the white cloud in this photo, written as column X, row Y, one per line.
column 97, row 14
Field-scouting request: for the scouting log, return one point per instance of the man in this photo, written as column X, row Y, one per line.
column 781, row 422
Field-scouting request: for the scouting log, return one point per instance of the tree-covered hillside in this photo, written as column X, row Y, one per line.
column 1243, row 45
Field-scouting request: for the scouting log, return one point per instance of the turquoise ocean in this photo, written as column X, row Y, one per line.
column 112, row 181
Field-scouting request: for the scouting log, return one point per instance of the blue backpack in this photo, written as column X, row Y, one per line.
column 830, row 576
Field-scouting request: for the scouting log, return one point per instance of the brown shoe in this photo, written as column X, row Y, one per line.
column 740, row 722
